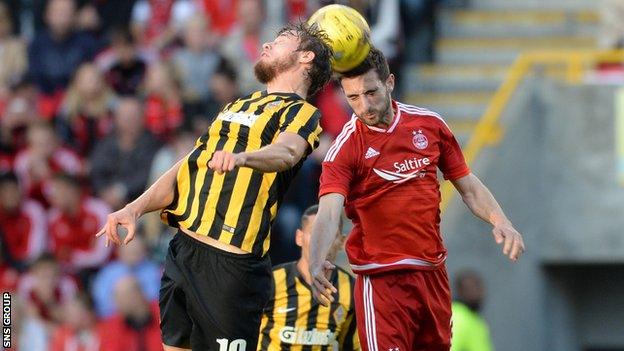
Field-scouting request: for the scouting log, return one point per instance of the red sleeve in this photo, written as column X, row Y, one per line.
column 338, row 167
column 452, row 162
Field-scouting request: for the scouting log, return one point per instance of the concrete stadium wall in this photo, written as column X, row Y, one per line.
column 535, row 4
column 554, row 174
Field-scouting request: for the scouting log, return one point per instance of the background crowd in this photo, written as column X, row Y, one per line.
column 97, row 99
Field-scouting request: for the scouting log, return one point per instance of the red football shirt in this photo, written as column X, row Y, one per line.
column 389, row 180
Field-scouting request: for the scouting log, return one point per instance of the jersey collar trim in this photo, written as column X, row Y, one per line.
column 397, row 117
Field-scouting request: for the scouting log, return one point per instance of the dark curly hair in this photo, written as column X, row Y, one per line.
column 374, row 60
column 312, row 38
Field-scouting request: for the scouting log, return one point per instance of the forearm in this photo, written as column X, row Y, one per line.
column 159, row 195
column 482, row 203
column 271, row 158
column 323, row 236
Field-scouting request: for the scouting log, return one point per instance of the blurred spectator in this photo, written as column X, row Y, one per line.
column 42, row 158
column 470, row 331
column 221, row 13
column 19, row 112
column 334, row 108
column 79, row 329
column 22, row 224
column 45, row 289
column 136, row 326
column 125, row 67
column 157, row 233
column 86, row 112
column 12, row 54
column 120, row 163
column 612, row 24
column 88, row 19
column 30, row 331
column 156, row 23
column 163, row 103
column 224, row 87
column 385, row 21
column 14, row 10
column 384, row 18
column 197, row 60
column 132, row 260
column 244, row 44
column 418, row 25
column 9, row 276
column 114, row 13
column 73, row 221
column 56, row 51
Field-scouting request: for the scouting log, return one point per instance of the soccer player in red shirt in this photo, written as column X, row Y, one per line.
column 383, row 169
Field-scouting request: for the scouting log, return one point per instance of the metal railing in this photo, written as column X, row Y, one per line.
column 488, row 131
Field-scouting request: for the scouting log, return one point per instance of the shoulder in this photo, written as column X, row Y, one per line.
column 350, row 132
column 411, row 111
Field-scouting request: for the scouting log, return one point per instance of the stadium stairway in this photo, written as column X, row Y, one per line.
column 474, row 50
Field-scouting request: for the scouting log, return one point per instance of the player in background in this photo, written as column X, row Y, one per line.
column 383, row 169
column 293, row 318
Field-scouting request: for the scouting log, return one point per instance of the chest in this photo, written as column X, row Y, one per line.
column 408, row 153
column 252, row 126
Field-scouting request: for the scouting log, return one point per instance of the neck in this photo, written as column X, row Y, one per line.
column 127, row 140
column 140, row 312
column 59, row 35
column 288, row 82
column 303, row 268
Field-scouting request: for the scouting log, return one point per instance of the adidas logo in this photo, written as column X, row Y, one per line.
column 371, row 153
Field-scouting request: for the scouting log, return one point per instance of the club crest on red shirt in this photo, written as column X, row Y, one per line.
column 420, row 140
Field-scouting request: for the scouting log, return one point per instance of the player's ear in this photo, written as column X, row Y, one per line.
column 299, row 238
column 390, row 83
column 306, row 56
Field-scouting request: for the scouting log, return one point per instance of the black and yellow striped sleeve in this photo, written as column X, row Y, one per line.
column 303, row 119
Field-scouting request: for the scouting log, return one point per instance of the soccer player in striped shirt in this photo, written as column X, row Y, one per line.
column 224, row 195
column 293, row 319
column 383, row 169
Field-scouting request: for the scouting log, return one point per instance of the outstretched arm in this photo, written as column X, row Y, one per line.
column 324, row 231
column 159, row 195
column 483, row 205
column 283, row 154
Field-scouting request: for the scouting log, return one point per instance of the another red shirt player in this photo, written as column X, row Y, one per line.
column 383, row 169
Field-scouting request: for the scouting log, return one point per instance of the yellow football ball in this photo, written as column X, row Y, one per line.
column 348, row 32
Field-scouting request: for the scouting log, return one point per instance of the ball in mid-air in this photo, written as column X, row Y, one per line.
column 348, row 32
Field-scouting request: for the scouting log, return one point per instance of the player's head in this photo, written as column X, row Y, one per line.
column 304, row 234
column 297, row 48
column 469, row 289
column 368, row 88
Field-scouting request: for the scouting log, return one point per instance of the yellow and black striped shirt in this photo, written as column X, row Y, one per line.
column 293, row 320
column 238, row 207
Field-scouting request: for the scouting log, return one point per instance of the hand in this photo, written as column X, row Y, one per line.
column 513, row 245
column 124, row 217
column 322, row 288
column 225, row 161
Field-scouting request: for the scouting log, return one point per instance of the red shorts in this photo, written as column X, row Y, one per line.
column 404, row 311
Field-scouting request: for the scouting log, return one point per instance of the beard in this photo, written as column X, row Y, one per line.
column 267, row 71
column 382, row 116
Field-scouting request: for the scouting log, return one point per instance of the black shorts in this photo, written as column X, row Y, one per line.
column 210, row 297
